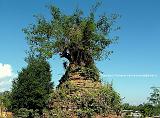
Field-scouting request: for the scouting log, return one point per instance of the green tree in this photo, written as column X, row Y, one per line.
column 5, row 100
column 155, row 96
column 80, row 39
column 126, row 106
column 32, row 87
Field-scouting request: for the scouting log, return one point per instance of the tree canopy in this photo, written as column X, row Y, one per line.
column 155, row 96
column 32, row 87
column 81, row 39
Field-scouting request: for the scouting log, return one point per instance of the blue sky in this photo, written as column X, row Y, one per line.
column 136, row 53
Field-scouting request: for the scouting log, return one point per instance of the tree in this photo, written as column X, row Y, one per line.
column 5, row 100
column 82, row 40
column 32, row 87
column 155, row 96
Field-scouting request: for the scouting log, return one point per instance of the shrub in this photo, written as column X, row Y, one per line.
column 85, row 103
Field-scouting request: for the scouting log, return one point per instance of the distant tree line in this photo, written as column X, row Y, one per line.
column 151, row 108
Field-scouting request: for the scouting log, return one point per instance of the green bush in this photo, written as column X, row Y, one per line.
column 87, row 103
column 26, row 113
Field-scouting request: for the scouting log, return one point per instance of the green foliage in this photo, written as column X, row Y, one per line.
column 80, row 39
column 155, row 96
column 32, row 87
column 127, row 106
column 5, row 100
column 147, row 109
column 85, row 103
column 109, row 99
column 26, row 113
column 84, row 39
column 90, row 72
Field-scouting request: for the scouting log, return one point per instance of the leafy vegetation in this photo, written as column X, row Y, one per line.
column 147, row 110
column 5, row 100
column 78, row 38
column 75, row 37
column 152, row 108
column 32, row 87
column 154, row 99
column 85, row 103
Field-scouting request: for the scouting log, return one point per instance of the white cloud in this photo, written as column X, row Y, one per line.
column 6, row 77
column 5, row 70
